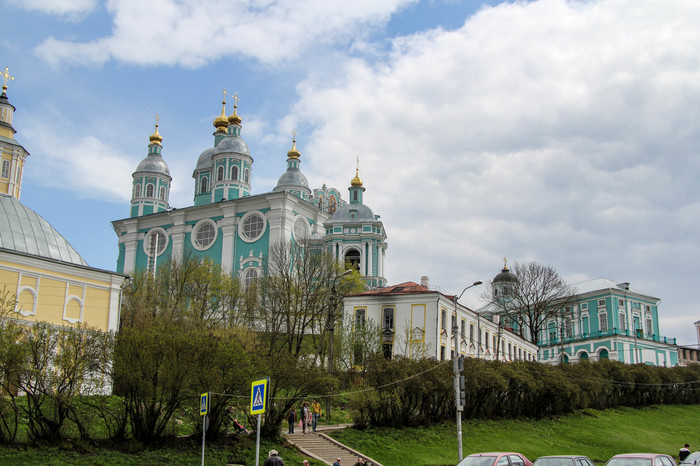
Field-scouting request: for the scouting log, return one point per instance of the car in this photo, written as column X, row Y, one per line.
column 495, row 459
column 563, row 460
column 641, row 459
column 692, row 459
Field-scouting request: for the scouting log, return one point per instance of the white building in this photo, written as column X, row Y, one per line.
column 417, row 322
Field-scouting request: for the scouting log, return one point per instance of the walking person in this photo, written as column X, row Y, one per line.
column 292, row 419
column 305, row 415
column 316, row 412
column 684, row 452
column 337, row 462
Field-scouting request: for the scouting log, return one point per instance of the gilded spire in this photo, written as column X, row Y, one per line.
column 357, row 182
column 294, row 153
column 505, row 264
column 221, row 122
column 5, row 76
column 234, row 119
column 156, row 138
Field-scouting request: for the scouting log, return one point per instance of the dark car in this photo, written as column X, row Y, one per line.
column 495, row 459
column 641, row 459
column 563, row 460
column 692, row 459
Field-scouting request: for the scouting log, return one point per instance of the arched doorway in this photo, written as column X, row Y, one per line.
column 604, row 354
column 583, row 356
column 352, row 259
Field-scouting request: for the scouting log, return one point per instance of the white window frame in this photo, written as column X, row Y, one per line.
column 195, row 231
column 241, row 225
column 147, row 241
column 5, row 169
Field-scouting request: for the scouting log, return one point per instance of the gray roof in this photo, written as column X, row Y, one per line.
column 153, row 163
column 293, row 177
column 604, row 284
column 204, row 160
column 23, row 230
column 232, row 143
column 353, row 213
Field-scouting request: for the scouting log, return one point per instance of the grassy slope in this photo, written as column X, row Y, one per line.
column 596, row 434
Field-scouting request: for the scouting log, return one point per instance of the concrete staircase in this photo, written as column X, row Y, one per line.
column 324, row 449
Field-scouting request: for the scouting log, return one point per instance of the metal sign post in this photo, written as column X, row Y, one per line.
column 258, row 404
column 203, row 411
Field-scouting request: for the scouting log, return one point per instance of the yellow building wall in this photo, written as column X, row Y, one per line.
column 58, row 297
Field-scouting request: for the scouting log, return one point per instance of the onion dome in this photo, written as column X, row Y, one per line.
column 293, row 152
column 353, row 213
column 505, row 275
column 204, row 161
column 155, row 138
column 356, row 182
column 221, row 122
column 234, row 119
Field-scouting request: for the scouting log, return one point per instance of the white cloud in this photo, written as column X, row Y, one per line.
column 562, row 132
column 71, row 9
column 192, row 33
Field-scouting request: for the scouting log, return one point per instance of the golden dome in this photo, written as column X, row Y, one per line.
column 221, row 122
column 356, row 182
column 156, row 138
column 293, row 152
column 234, row 119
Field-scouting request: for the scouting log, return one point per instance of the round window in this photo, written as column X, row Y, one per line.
column 301, row 229
column 204, row 234
column 253, row 227
column 155, row 242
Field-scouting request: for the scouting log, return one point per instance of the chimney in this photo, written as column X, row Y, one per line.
column 425, row 281
column 624, row 285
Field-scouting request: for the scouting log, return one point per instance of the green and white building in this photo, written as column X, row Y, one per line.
column 232, row 226
column 605, row 320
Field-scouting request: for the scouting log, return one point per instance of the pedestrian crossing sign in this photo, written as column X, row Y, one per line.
column 258, row 396
column 204, row 404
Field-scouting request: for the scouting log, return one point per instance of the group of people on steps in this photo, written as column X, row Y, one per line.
column 307, row 417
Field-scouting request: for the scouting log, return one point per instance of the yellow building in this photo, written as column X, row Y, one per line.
column 50, row 279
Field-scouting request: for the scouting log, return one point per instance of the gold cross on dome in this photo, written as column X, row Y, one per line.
column 235, row 99
column 6, row 75
column 505, row 262
column 225, row 94
column 294, row 135
column 157, row 120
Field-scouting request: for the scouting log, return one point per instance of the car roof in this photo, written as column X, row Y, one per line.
column 563, row 456
column 495, row 453
column 639, row 455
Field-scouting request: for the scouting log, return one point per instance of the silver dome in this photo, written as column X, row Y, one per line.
column 23, row 230
column 232, row 143
column 353, row 213
column 291, row 179
column 153, row 163
column 204, row 161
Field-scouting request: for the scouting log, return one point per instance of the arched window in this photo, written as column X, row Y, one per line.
column 162, row 193
column 234, row 173
column 5, row 168
column 352, row 259
column 249, row 276
column 204, row 185
column 150, row 189
column 246, row 176
column 219, row 173
column 332, row 205
column 137, row 190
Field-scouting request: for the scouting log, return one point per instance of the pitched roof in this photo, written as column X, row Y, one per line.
column 400, row 289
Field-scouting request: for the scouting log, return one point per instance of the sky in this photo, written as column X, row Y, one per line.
column 557, row 131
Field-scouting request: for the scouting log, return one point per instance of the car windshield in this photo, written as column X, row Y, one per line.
column 554, row 462
column 629, row 462
column 478, row 461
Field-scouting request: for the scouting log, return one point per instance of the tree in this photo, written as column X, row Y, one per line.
column 537, row 294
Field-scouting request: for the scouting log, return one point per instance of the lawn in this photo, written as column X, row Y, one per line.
column 597, row 434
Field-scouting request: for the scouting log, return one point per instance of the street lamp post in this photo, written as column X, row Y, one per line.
column 332, row 302
column 455, row 367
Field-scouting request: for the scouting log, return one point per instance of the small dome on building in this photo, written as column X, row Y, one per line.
column 505, row 276
column 204, row 161
column 153, row 163
column 27, row 232
column 232, row 143
column 291, row 178
column 353, row 213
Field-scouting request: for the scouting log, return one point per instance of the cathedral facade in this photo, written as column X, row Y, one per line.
column 235, row 228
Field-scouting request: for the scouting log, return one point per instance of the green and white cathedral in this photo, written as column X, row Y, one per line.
column 235, row 228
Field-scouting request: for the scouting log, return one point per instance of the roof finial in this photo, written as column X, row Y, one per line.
column 221, row 122
column 357, row 181
column 6, row 75
column 293, row 152
column 234, row 119
column 155, row 137
column 505, row 263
